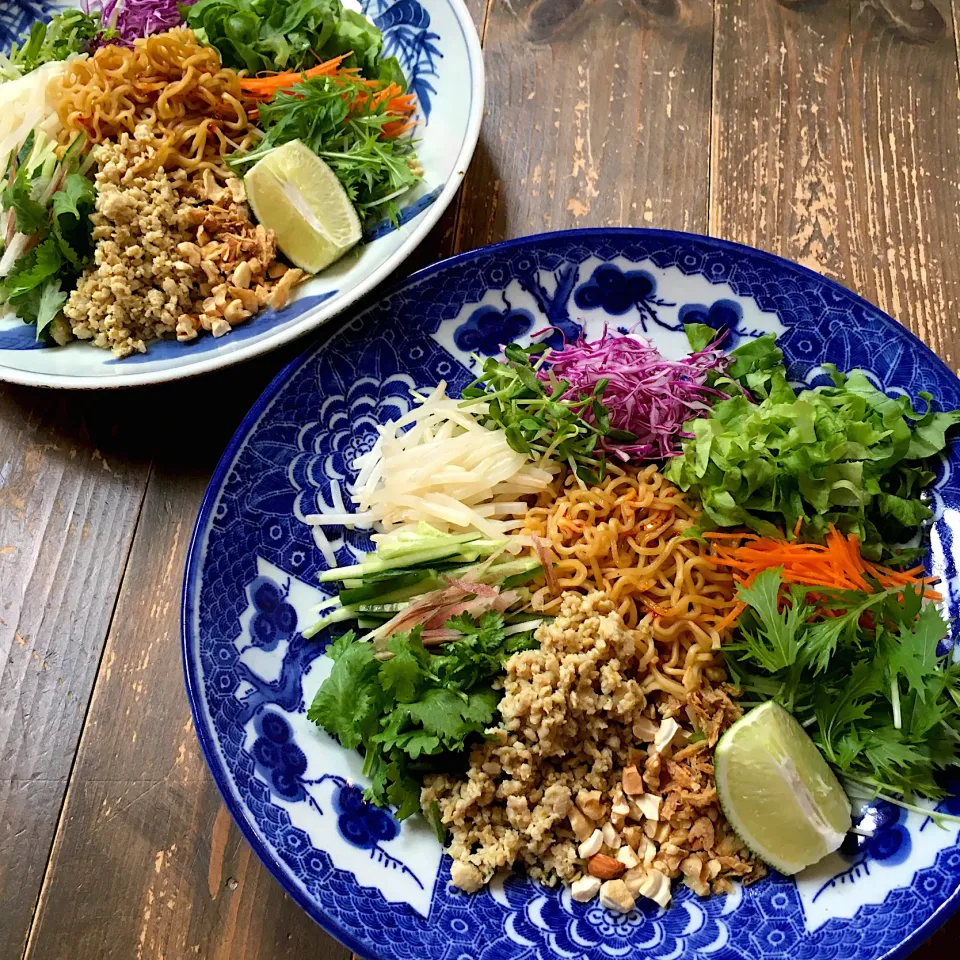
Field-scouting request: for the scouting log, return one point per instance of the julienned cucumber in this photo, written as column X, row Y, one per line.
column 533, row 569
column 470, row 551
column 416, row 579
column 387, row 609
column 407, row 546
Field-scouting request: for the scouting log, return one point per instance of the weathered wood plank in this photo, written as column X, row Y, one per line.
column 145, row 849
column 597, row 116
column 836, row 143
column 69, row 500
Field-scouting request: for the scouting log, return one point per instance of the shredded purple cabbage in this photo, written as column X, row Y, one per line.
column 135, row 18
column 646, row 395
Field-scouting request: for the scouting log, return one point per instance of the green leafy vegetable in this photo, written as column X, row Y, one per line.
column 345, row 704
column 31, row 216
column 700, row 336
column 772, row 642
column 414, row 711
column 389, row 71
column 862, row 673
column 432, row 813
column 51, row 302
column 46, row 209
column 71, row 207
column 847, row 454
column 355, row 34
column 67, row 33
column 373, row 169
column 30, row 272
column 535, row 419
column 280, row 35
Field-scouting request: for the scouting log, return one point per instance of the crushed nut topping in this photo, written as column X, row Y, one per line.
column 177, row 254
column 607, row 784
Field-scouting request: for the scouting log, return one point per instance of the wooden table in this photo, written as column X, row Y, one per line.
column 828, row 132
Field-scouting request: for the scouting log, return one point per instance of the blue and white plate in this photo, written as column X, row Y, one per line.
column 381, row 887
column 437, row 44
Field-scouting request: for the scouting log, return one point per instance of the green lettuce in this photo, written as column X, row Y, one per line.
column 281, row 35
column 847, row 454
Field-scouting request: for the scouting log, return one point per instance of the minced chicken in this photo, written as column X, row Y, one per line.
column 590, row 781
column 177, row 254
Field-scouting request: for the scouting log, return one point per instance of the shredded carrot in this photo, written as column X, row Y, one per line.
column 397, row 102
column 836, row 564
column 731, row 617
column 404, row 105
column 263, row 88
column 397, row 128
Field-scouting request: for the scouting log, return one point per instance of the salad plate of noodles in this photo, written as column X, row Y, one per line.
column 594, row 595
column 187, row 185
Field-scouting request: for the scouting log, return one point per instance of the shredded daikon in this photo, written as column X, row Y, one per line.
column 27, row 104
column 323, row 544
column 438, row 465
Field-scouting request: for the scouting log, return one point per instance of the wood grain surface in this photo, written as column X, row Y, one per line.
column 70, row 496
column 824, row 130
column 836, row 143
column 574, row 137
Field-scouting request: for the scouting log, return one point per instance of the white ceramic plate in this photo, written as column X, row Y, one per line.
column 437, row 44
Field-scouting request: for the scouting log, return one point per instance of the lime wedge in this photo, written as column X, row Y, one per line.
column 294, row 193
column 778, row 792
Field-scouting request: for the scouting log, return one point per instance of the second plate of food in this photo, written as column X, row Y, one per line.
column 258, row 172
column 588, row 597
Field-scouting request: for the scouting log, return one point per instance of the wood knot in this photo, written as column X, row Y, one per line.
column 916, row 20
column 546, row 19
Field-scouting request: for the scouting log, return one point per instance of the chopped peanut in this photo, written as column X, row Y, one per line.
column 632, row 782
column 615, row 896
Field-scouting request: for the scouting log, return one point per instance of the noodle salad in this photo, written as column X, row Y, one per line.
column 630, row 622
column 171, row 170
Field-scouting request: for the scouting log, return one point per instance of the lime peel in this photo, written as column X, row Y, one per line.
column 295, row 194
column 777, row 791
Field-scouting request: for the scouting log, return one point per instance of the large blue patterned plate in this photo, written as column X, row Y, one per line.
column 437, row 44
column 380, row 887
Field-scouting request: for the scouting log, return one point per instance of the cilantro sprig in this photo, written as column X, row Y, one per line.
column 45, row 209
column 412, row 711
column 862, row 673
column 536, row 420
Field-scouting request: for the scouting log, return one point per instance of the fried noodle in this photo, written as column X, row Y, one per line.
column 626, row 538
column 168, row 82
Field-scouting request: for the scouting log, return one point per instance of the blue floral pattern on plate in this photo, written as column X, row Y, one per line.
column 406, row 24
column 487, row 330
column 618, row 292
column 253, row 553
column 17, row 18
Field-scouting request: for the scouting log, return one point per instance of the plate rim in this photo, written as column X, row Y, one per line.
column 308, row 322
column 208, row 743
